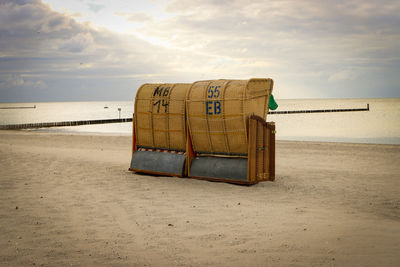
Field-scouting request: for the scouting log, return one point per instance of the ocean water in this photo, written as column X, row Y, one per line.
column 379, row 125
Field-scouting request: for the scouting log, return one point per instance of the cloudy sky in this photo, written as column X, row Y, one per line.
column 57, row 50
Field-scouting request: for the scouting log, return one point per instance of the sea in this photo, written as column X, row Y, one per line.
column 379, row 125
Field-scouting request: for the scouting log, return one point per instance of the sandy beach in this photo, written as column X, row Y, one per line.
column 70, row 200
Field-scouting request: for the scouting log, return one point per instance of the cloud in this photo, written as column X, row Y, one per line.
column 39, row 42
column 78, row 43
column 16, row 81
column 135, row 17
column 294, row 40
column 342, row 75
column 309, row 48
column 95, row 8
column 30, row 27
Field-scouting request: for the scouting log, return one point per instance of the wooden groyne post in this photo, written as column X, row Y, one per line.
column 61, row 124
column 319, row 110
column 24, row 107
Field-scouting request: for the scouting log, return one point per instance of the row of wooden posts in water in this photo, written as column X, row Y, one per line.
column 122, row 120
column 61, row 124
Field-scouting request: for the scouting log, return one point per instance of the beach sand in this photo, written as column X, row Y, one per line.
column 70, row 200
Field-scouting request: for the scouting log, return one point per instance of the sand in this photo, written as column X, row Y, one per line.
column 70, row 200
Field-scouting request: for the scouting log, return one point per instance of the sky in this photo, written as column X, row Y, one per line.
column 94, row 50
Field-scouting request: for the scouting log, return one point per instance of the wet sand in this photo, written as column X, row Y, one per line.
column 70, row 200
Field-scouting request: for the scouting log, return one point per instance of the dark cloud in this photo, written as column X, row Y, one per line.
column 47, row 50
column 324, row 42
column 17, row 81
column 78, row 43
column 310, row 48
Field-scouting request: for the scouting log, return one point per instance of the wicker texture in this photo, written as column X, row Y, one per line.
column 160, row 116
column 218, row 110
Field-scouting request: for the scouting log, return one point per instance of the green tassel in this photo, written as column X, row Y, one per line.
column 272, row 104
